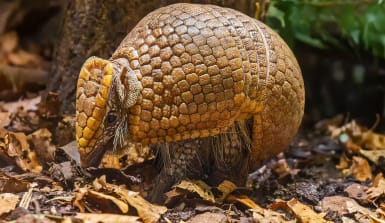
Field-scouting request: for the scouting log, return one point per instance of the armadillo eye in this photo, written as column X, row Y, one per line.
column 111, row 118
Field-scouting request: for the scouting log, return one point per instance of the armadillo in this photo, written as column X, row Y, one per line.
column 208, row 87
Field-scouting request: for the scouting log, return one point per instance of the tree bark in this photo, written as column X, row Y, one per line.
column 95, row 28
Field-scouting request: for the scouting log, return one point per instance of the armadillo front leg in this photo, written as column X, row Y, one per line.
column 179, row 160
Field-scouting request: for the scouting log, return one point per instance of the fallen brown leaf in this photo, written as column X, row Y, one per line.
column 199, row 188
column 357, row 192
column 8, row 202
column 361, row 169
column 208, row 217
column 4, row 119
column 226, row 188
column 373, row 155
column 377, row 189
column 86, row 199
column 119, row 196
column 346, row 206
column 9, row 42
column 12, row 184
column 24, row 58
column 244, row 200
column 344, row 162
column 305, row 214
column 41, row 141
column 131, row 154
column 17, row 148
column 148, row 212
column 106, row 218
column 282, row 169
column 26, row 104
column 261, row 215
column 372, row 141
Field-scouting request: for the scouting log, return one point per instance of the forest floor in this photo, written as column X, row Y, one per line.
column 331, row 173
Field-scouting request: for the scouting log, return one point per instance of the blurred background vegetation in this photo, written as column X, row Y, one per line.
column 350, row 26
column 340, row 45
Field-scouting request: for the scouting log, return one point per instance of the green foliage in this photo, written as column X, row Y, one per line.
column 344, row 24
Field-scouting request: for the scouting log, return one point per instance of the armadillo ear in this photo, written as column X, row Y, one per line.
column 132, row 87
column 119, row 89
column 127, row 85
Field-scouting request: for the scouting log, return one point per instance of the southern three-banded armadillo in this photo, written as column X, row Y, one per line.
column 211, row 89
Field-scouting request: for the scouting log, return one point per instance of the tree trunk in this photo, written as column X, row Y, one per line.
column 95, row 28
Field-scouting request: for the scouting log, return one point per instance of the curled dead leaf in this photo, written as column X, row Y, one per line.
column 17, row 150
column 131, row 154
column 197, row 188
column 304, row 213
column 373, row 155
column 106, row 218
column 346, row 206
column 361, row 169
column 282, row 169
column 119, row 196
column 265, row 216
column 8, row 202
column 86, row 199
column 226, row 188
column 41, row 141
column 377, row 189
column 243, row 200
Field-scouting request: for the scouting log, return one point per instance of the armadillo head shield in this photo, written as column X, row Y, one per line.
column 104, row 94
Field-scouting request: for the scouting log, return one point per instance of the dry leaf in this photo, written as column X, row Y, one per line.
column 282, row 169
column 131, row 154
column 4, row 119
column 346, row 206
column 361, row 169
column 208, row 217
column 244, row 200
column 344, row 162
column 121, row 197
column 373, row 155
column 86, row 199
column 26, row 104
column 8, row 202
column 148, row 212
column 305, row 214
column 226, row 187
column 41, row 141
column 24, row 58
column 372, row 141
column 357, row 192
column 330, row 123
column 194, row 187
column 261, row 215
column 353, row 147
column 71, row 149
column 9, row 42
column 106, row 218
column 378, row 188
column 17, row 149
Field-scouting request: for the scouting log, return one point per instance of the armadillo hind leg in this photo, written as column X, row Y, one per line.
column 231, row 152
column 186, row 159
